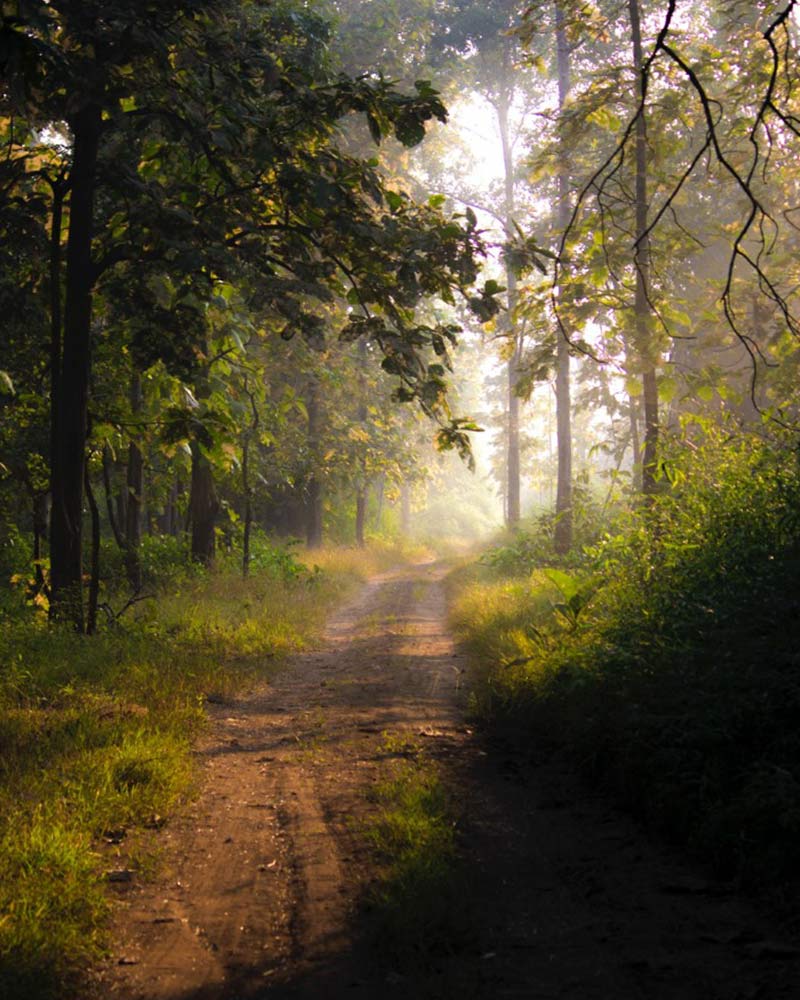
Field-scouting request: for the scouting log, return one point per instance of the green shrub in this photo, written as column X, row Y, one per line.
column 530, row 547
column 677, row 679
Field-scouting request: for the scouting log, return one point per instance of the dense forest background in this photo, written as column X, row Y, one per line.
column 279, row 274
column 226, row 263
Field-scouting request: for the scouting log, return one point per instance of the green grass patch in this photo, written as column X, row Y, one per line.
column 95, row 737
column 418, row 907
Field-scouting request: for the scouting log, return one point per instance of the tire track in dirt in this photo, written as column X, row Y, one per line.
column 264, row 873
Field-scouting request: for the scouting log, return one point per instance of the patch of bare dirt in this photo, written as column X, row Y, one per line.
column 262, row 877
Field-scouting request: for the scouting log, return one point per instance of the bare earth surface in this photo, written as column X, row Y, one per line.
column 263, row 876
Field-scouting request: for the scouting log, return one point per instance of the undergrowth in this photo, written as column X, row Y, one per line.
column 667, row 661
column 95, row 737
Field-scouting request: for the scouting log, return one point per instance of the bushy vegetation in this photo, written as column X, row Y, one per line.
column 95, row 734
column 668, row 662
column 531, row 545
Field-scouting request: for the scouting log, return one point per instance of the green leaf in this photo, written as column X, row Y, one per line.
column 667, row 389
column 161, row 290
column 567, row 585
column 633, row 386
column 374, row 128
column 394, row 200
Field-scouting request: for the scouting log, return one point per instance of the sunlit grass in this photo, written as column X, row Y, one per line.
column 52, row 903
column 360, row 563
column 419, row 906
column 491, row 614
column 96, row 733
column 503, row 623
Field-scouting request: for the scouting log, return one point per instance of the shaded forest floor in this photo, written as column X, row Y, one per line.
column 276, row 881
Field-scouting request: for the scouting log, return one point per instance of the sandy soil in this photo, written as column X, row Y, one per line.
column 262, row 878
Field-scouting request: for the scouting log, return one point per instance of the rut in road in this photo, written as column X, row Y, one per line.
column 264, row 874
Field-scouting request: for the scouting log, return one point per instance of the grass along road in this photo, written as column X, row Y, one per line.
column 354, row 838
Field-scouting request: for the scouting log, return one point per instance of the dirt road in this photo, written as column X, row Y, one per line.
column 262, row 877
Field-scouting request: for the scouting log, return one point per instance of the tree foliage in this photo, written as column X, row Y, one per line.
column 200, row 157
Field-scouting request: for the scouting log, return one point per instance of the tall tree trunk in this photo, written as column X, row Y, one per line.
column 203, row 500
column 150, row 523
column 94, row 568
column 644, row 345
column 135, row 482
column 172, row 520
column 361, row 515
column 71, row 399
column 248, row 508
column 562, row 540
column 513, row 505
column 246, row 487
column 314, row 513
column 121, row 503
column 40, row 512
column 636, row 444
column 361, row 487
column 55, row 320
column 314, row 487
column 513, row 502
column 405, row 510
column 380, row 493
column 203, row 507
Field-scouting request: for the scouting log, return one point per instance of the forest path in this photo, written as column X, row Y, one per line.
column 263, row 875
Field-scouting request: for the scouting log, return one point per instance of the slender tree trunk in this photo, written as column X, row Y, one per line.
column 314, row 514
column 40, row 511
column 71, row 403
column 314, row 488
column 55, row 322
column 636, row 444
column 361, row 515
column 563, row 529
column 135, row 482
column 203, row 500
column 248, row 506
column 513, row 505
column 121, row 503
column 361, row 488
column 173, row 524
column 405, row 510
column 248, row 516
column 380, row 493
column 246, row 488
column 203, row 507
column 94, row 569
column 643, row 337
column 150, row 524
